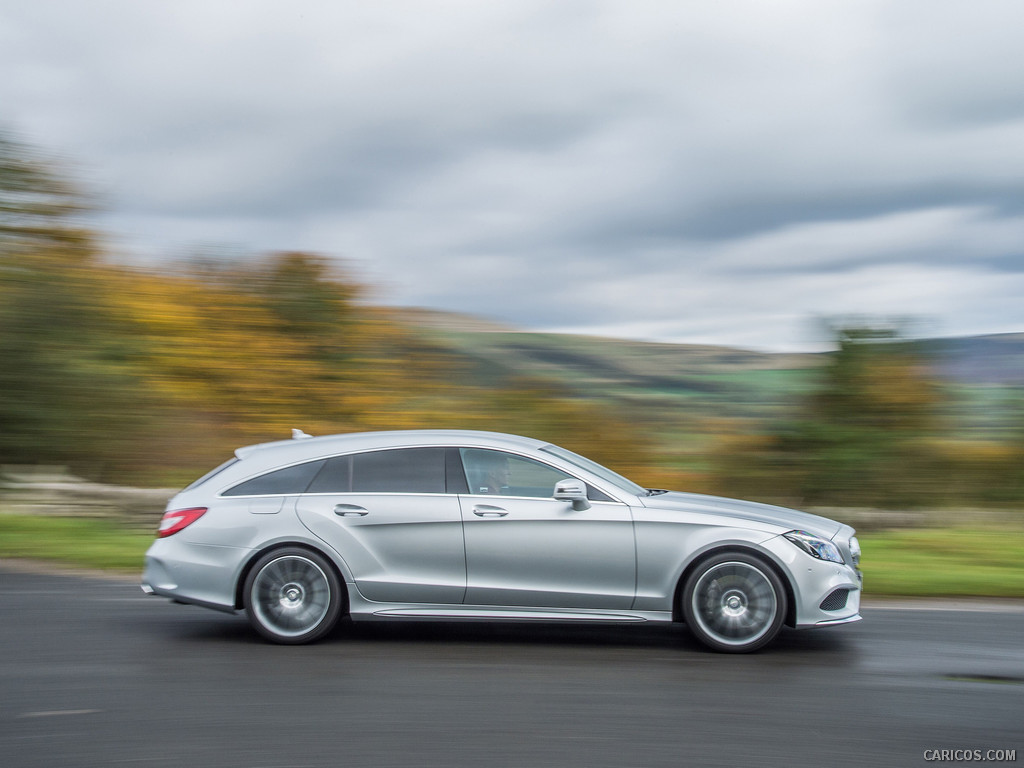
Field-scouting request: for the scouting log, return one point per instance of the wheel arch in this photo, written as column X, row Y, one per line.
column 256, row 554
column 766, row 558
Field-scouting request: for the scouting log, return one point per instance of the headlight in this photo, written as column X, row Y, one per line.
column 815, row 546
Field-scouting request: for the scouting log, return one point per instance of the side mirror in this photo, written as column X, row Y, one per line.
column 574, row 491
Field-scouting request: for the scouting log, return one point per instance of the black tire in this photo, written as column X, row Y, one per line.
column 734, row 602
column 292, row 596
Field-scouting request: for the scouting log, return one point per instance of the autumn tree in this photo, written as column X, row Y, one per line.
column 152, row 375
column 65, row 395
column 863, row 435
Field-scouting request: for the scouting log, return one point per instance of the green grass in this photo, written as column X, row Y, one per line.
column 940, row 562
column 73, row 541
column 928, row 562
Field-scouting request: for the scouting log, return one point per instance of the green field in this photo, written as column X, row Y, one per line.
column 927, row 562
column 73, row 541
column 942, row 562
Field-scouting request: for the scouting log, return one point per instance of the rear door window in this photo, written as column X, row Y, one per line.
column 403, row 470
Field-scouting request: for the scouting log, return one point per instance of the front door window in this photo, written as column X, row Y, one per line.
column 495, row 473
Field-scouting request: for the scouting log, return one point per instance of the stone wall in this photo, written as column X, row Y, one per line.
column 39, row 490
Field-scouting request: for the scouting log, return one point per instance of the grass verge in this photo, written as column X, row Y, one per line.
column 943, row 562
column 73, row 541
column 924, row 562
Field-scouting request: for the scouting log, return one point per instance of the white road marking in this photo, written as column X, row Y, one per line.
column 976, row 605
column 58, row 712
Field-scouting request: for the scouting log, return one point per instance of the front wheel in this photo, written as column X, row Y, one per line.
column 292, row 596
column 734, row 603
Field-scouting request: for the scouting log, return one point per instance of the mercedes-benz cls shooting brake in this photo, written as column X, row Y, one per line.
column 450, row 525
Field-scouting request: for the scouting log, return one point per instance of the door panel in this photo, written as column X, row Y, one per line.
column 400, row 547
column 542, row 553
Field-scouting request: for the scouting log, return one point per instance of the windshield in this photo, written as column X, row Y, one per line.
column 596, row 469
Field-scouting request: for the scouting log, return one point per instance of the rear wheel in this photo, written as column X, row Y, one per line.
column 292, row 596
column 734, row 602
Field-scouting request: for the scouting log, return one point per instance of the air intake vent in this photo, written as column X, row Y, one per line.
column 836, row 601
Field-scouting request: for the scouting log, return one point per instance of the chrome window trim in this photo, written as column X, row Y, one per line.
column 534, row 498
column 613, row 492
column 601, row 486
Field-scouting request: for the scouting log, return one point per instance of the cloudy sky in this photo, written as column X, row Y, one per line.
column 701, row 172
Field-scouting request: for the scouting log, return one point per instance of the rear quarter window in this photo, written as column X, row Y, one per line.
column 290, row 480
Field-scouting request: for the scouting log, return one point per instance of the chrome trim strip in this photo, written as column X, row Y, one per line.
column 368, row 611
column 831, row 622
column 494, row 615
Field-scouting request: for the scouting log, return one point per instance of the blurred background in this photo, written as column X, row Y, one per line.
column 766, row 252
column 770, row 249
column 150, row 375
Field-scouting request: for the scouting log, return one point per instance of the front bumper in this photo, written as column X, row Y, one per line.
column 816, row 586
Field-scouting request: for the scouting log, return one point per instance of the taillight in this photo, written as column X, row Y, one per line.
column 178, row 520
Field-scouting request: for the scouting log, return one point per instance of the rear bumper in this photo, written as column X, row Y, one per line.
column 149, row 590
column 196, row 574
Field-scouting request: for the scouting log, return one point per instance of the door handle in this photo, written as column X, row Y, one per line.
column 350, row 510
column 485, row 510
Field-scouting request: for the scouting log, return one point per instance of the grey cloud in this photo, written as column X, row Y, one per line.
column 694, row 172
column 949, row 65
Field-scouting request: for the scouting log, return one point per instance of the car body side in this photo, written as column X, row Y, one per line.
column 207, row 562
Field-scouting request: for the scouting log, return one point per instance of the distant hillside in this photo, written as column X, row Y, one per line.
column 677, row 387
column 446, row 321
column 683, row 386
column 997, row 359
column 990, row 359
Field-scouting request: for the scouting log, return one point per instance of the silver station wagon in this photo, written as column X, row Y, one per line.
column 446, row 525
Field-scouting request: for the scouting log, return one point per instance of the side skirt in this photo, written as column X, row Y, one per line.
column 365, row 610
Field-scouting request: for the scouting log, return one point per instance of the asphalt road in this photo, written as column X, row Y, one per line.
column 94, row 673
